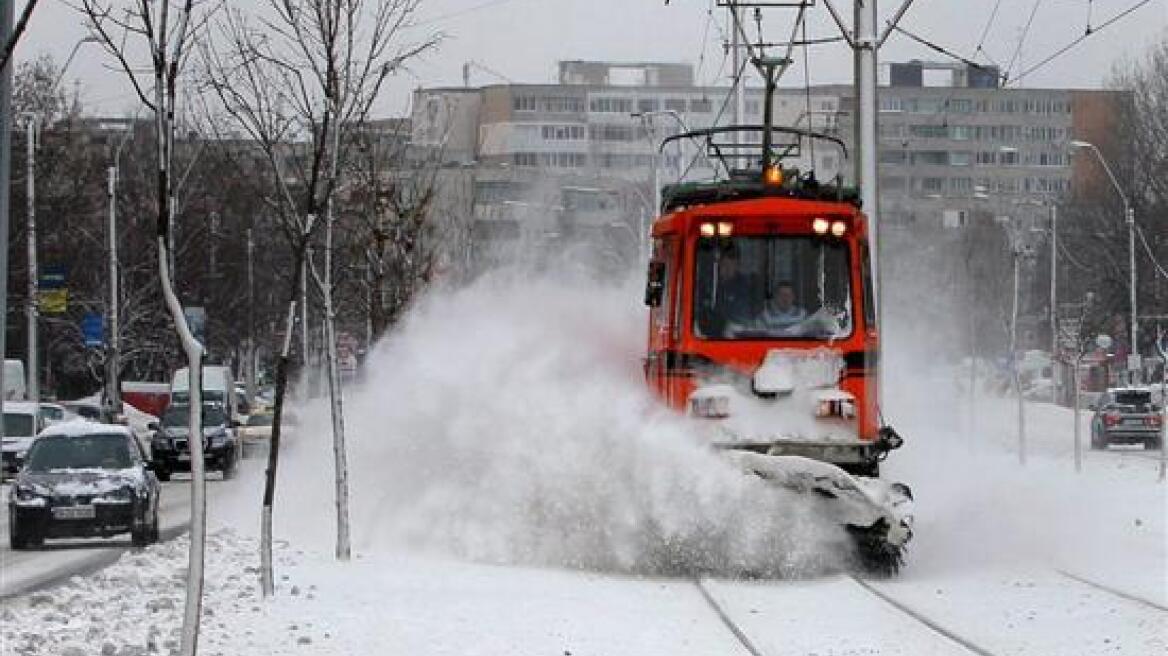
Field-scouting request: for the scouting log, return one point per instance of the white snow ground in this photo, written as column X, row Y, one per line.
column 506, row 474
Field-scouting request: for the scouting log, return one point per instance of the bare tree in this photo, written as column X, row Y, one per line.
column 167, row 31
column 290, row 75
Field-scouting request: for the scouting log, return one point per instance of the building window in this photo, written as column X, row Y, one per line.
column 753, row 107
column 890, row 156
column 931, row 157
column 960, row 158
column 523, row 103
column 961, row 132
column 561, row 105
column 929, row 131
column 648, row 105
column 675, row 104
column 611, row 105
column 961, row 105
column 701, row 106
column 891, row 104
column 932, row 185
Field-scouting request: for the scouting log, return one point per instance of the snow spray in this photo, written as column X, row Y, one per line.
column 508, row 422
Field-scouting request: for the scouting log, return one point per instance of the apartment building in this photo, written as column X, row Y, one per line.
column 955, row 146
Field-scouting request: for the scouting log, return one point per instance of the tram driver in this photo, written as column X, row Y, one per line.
column 781, row 311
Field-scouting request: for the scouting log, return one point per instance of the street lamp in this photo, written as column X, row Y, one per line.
column 1130, row 218
column 32, row 310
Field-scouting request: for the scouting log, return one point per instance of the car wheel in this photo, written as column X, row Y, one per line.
column 155, row 530
column 228, row 468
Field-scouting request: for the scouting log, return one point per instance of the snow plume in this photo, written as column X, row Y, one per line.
column 508, row 422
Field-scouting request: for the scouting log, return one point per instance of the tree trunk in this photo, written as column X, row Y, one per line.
column 267, row 578
column 336, row 400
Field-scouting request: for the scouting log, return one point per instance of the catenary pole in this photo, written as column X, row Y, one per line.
column 34, row 387
column 6, row 10
column 1054, row 345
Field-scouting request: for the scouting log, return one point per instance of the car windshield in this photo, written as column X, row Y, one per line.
column 100, row 451
column 18, row 425
column 259, row 420
column 772, row 288
column 178, row 416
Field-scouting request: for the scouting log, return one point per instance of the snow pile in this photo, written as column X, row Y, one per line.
column 135, row 606
column 509, row 422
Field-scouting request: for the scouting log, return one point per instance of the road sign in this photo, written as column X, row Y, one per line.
column 93, row 329
column 53, row 301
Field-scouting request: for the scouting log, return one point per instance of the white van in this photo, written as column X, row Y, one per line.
column 14, row 383
column 218, row 387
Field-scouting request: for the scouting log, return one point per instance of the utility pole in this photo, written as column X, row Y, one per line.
column 34, row 387
column 1054, row 345
column 113, row 391
column 6, row 12
column 1134, row 367
column 250, row 371
column 736, row 62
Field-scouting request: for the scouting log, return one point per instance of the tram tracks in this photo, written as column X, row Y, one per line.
column 901, row 607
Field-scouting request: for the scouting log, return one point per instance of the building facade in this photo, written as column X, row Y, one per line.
column 955, row 147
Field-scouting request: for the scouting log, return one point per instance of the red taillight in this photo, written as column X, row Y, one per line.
column 1111, row 419
column 1154, row 421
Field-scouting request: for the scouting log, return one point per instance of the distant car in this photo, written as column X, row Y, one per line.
column 83, row 479
column 90, row 411
column 258, row 427
column 1126, row 415
column 170, row 448
column 53, row 413
column 22, row 423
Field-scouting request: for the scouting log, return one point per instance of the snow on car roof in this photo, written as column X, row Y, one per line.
column 20, row 407
column 77, row 427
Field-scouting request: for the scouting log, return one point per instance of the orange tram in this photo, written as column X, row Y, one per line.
column 762, row 327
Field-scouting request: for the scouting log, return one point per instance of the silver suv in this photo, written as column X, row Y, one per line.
column 1127, row 415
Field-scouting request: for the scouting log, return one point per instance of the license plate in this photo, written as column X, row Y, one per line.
column 1131, row 421
column 73, row 512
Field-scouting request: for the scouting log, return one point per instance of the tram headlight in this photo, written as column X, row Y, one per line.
column 725, row 229
column 707, row 230
column 820, row 226
column 839, row 228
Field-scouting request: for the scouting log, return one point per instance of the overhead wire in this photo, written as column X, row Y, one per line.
column 1083, row 37
column 1022, row 38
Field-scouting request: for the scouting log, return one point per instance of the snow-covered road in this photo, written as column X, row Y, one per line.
column 993, row 594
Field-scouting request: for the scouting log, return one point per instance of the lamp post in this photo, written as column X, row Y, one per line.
column 655, row 162
column 1130, row 218
column 32, row 309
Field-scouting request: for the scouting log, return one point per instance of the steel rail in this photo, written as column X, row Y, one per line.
column 916, row 615
column 1114, row 591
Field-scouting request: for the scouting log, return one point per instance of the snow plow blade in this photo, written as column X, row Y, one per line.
column 876, row 514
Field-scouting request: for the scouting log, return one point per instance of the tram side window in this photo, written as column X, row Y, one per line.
column 662, row 270
column 772, row 288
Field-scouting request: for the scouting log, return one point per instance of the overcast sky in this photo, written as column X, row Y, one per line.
column 523, row 39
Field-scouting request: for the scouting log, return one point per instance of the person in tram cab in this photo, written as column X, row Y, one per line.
column 736, row 289
column 780, row 310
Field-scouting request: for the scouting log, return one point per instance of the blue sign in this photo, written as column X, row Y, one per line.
column 93, row 329
column 53, row 276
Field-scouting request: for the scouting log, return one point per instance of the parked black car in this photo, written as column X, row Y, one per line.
column 170, row 448
column 82, row 479
column 1126, row 415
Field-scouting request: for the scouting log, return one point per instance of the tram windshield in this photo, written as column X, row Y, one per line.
column 772, row 287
